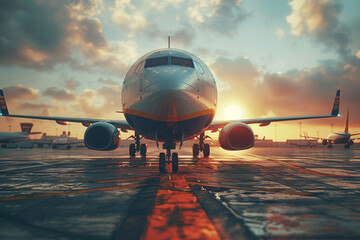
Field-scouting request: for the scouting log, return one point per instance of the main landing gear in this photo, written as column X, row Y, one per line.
column 201, row 147
column 137, row 147
column 168, row 146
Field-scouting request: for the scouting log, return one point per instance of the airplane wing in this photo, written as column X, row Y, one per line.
column 123, row 125
column 214, row 126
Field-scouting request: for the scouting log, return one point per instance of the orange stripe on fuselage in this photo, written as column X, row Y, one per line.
column 171, row 118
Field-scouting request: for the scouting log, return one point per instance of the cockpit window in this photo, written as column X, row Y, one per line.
column 153, row 62
column 184, row 62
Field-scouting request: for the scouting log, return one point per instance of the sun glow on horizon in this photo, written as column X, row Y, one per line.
column 233, row 112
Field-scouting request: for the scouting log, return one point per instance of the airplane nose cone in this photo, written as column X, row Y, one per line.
column 169, row 77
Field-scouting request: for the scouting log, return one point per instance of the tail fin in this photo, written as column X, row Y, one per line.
column 335, row 109
column 4, row 109
column 26, row 127
column 347, row 122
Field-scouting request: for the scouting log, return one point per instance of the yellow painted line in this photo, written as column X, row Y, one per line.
column 168, row 118
column 298, row 193
column 177, row 214
column 300, row 169
column 23, row 197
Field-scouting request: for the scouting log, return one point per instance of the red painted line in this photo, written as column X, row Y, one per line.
column 177, row 214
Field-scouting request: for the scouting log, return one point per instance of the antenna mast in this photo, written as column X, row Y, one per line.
column 168, row 41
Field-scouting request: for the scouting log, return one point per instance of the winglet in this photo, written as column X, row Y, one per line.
column 4, row 109
column 335, row 109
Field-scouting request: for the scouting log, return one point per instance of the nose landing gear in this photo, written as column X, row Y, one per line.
column 137, row 147
column 168, row 146
column 201, row 147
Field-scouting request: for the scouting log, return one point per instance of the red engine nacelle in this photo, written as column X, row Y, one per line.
column 236, row 136
column 102, row 136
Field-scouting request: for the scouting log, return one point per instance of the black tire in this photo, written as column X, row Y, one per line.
column 175, row 162
column 206, row 150
column 143, row 150
column 132, row 150
column 162, row 162
column 195, row 150
column 54, row 146
column 329, row 146
column 346, row 146
column 68, row 147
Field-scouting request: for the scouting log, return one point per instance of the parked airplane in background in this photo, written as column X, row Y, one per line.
column 340, row 137
column 14, row 137
column 169, row 96
column 65, row 141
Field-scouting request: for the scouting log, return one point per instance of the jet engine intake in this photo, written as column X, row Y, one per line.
column 236, row 136
column 324, row 142
column 102, row 136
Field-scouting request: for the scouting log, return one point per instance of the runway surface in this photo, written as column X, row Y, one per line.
column 261, row 193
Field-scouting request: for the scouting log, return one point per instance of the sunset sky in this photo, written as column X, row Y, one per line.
column 269, row 58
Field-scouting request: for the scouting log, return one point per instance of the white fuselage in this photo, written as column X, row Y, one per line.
column 169, row 95
column 340, row 137
column 12, row 137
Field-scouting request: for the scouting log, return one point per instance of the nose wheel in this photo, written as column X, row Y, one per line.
column 137, row 146
column 201, row 147
column 163, row 159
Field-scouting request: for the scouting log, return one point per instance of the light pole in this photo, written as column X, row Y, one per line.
column 300, row 129
column 275, row 132
column 332, row 128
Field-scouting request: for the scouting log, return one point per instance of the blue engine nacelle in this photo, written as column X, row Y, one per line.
column 236, row 136
column 102, row 136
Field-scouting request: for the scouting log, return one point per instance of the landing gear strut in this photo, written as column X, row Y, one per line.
column 201, row 147
column 168, row 146
column 137, row 146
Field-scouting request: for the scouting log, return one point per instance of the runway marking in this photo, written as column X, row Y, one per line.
column 23, row 197
column 177, row 214
column 298, row 193
column 300, row 169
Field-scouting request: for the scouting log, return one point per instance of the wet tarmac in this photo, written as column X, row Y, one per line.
column 261, row 193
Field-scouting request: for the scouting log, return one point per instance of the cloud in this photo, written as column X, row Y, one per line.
column 69, row 82
column 19, row 92
column 294, row 93
column 127, row 16
column 162, row 4
column 319, row 19
column 279, row 33
column 222, row 16
column 108, row 81
column 59, row 94
column 26, row 99
column 42, row 34
column 101, row 103
column 181, row 37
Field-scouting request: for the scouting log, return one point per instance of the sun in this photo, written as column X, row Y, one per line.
column 233, row 112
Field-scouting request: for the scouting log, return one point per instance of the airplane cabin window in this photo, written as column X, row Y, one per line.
column 153, row 62
column 184, row 62
column 199, row 68
column 139, row 67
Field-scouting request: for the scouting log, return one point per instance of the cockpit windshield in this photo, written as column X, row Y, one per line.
column 184, row 62
column 153, row 62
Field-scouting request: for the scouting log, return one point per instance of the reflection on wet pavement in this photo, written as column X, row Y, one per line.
column 255, row 194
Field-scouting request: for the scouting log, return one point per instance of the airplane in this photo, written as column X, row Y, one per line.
column 65, row 141
column 14, row 137
column 307, row 143
column 169, row 96
column 339, row 137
